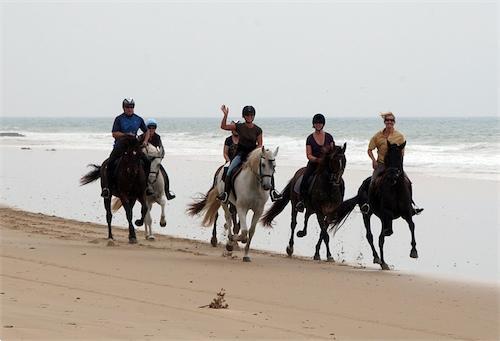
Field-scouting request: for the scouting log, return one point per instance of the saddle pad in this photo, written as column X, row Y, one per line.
column 296, row 188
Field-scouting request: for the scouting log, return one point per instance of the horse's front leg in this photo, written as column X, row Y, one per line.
column 386, row 226
column 321, row 237
column 109, row 216
column 162, row 202
column 369, row 237
column 293, row 224
column 148, row 222
column 303, row 233
column 242, row 216
column 253, row 224
column 326, row 238
column 411, row 225
column 227, row 225
column 128, row 206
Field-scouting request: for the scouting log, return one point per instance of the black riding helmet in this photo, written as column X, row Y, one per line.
column 248, row 110
column 319, row 118
column 128, row 102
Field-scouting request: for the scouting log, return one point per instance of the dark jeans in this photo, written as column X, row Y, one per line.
column 116, row 153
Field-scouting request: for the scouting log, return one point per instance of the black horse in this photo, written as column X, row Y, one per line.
column 326, row 193
column 130, row 184
column 389, row 197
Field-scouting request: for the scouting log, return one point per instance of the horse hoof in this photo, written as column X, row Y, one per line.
column 330, row 259
column 317, row 257
column 229, row 247
column 376, row 260
column 139, row 222
column 213, row 241
column 150, row 237
column 163, row 223
column 289, row 250
column 413, row 254
column 244, row 240
column 384, row 266
column 111, row 242
column 301, row 234
column 246, row 259
column 132, row 240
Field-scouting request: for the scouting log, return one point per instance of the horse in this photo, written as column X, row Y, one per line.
column 389, row 197
column 157, row 181
column 130, row 184
column 326, row 193
column 250, row 192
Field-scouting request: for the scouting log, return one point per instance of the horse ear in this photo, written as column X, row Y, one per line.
column 276, row 151
column 263, row 150
column 344, row 147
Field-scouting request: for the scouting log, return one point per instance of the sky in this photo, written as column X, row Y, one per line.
column 286, row 58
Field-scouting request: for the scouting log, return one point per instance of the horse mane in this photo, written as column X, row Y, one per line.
column 326, row 154
column 253, row 160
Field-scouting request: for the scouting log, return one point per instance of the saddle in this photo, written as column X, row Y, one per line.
column 236, row 172
column 312, row 180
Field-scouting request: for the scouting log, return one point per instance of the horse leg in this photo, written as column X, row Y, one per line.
column 242, row 216
column 213, row 240
column 293, row 224
column 303, row 233
column 109, row 216
column 148, row 222
column 236, row 224
column 369, row 237
column 128, row 206
column 386, row 224
column 326, row 240
column 255, row 219
column 411, row 224
column 163, row 221
column 227, row 225
column 320, row 239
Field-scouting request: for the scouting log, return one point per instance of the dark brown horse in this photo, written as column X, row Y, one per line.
column 326, row 193
column 130, row 184
column 389, row 198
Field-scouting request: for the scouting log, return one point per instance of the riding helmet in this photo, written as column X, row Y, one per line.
column 248, row 110
column 128, row 101
column 319, row 118
column 151, row 123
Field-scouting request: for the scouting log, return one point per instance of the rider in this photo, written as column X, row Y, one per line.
column 155, row 140
column 380, row 141
column 230, row 146
column 127, row 123
column 250, row 137
column 315, row 143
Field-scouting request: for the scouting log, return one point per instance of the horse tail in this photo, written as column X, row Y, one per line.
column 212, row 206
column 342, row 212
column 91, row 176
column 277, row 207
column 116, row 204
column 199, row 204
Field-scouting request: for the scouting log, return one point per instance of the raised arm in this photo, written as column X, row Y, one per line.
column 223, row 123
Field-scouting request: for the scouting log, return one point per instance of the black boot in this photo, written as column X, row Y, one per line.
column 224, row 196
column 275, row 195
column 300, row 206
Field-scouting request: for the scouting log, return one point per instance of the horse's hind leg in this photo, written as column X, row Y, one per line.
column 109, row 216
column 227, row 225
column 386, row 226
column 369, row 237
column 411, row 224
column 234, row 217
column 293, row 224
column 326, row 240
column 163, row 221
column 303, row 232
column 213, row 240
column 148, row 222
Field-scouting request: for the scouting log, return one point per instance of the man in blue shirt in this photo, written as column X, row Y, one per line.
column 126, row 123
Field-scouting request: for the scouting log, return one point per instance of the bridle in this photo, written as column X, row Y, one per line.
column 261, row 175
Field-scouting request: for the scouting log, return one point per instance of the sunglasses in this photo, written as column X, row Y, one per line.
column 389, row 120
column 151, row 127
column 129, row 106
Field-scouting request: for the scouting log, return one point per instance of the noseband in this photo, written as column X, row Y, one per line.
column 334, row 178
column 261, row 175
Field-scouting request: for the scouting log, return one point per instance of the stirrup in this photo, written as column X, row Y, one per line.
column 365, row 208
column 223, row 197
column 300, row 206
column 275, row 195
column 417, row 210
column 106, row 194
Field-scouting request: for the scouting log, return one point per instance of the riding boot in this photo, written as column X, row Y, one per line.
column 273, row 193
column 170, row 195
column 300, row 206
column 416, row 210
column 147, row 169
column 224, row 196
column 106, row 190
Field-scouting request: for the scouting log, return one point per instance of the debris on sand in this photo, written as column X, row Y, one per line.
column 218, row 302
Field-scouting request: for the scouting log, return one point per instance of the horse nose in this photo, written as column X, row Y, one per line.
column 266, row 186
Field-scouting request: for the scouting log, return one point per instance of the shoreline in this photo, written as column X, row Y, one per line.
column 59, row 279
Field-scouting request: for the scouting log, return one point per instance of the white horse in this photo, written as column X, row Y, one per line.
column 250, row 192
column 157, row 182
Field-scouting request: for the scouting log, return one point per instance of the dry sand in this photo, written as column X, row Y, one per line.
column 60, row 280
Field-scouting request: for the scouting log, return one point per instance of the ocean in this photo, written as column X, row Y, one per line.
column 453, row 147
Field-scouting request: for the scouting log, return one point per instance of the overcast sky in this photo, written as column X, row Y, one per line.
column 286, row 58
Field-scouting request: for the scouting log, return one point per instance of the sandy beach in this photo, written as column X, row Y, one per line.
column 61, row 281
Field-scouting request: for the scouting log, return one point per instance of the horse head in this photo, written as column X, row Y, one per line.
column 394, row 162
column 155, row 155
column 333, row 162
column 262, row 162
column 130, row 160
